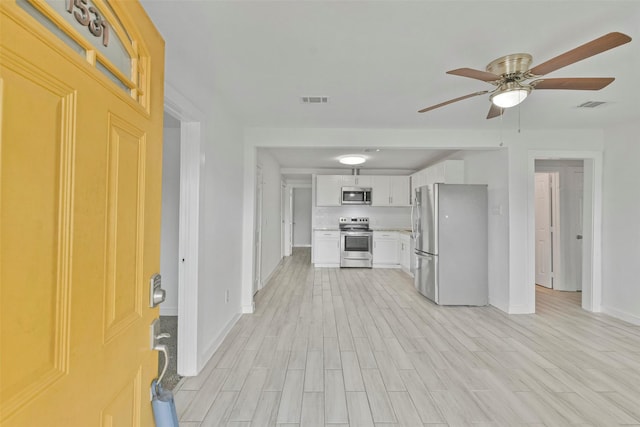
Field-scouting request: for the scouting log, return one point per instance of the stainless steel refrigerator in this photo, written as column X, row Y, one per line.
column 450, row 232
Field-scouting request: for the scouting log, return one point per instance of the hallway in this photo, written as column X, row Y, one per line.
column 360, row 347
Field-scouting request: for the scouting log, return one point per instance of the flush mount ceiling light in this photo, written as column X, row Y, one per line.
column 510, row 94
column 352, row 160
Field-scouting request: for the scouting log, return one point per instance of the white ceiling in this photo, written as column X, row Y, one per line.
column 381, row 61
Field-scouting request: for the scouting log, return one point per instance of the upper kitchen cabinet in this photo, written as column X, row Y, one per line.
column 328, row 190
column 447, row 172
column 356, row 181
column 390, row 191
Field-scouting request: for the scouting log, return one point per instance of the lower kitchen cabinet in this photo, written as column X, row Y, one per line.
column 385, row 248
column 326, row 248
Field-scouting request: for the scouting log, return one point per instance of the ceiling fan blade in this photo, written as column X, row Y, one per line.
column 451, row 101
column 576, row 83
column 475, row 74
column 494, row 111
column 594, row 47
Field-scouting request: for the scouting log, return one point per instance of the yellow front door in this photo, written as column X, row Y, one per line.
column 80, row 169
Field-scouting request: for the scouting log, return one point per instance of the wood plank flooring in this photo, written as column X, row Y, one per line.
column 360, row 347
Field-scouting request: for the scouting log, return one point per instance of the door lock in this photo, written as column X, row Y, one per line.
column 157, row 295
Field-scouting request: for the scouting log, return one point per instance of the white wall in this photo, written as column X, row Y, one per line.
column 490, row 167
column 271, row 216
column 621, row 224
column 302, row 216
column 169, row 257
column 220, row 224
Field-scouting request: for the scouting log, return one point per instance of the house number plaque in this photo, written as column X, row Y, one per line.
column 89, row 17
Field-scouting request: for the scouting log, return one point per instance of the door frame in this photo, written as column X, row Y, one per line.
column 257, row 231
column 190, row 142
column 592, row 223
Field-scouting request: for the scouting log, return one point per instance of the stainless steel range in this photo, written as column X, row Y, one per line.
column 355, row 242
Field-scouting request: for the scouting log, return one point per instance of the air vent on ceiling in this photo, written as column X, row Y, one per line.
column 591, row 104
column 315, row 99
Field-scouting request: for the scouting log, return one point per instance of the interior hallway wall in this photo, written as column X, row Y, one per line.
column 271, row 215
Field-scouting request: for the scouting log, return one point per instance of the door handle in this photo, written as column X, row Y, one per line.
column 579, row 237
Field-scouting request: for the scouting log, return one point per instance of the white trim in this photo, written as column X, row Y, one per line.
column 249, row 308
column 190, row 141
column 248, row 227
column 622, row 315
column 217, row 341
column 592, row 249
column 168, row 311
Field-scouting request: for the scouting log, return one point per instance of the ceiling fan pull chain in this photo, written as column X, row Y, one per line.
column 519, row 118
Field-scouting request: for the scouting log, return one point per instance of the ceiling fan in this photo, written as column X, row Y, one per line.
column 510, row 75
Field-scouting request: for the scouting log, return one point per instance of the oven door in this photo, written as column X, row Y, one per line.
column 355, row 249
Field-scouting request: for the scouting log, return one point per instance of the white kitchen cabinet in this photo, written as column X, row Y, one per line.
column 404, row 251
column 447, row 172
column 328, row 190
column 380, row 191
column 390, row 191
column 385, row 248
column 399, row 190
column 326, row 248
column 357, row 180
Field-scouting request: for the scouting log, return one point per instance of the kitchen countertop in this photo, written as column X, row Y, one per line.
column 398, row 230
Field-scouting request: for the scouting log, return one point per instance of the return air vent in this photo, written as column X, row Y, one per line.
column 315, row 99
column 591, row 104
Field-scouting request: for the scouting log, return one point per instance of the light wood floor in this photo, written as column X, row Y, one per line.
column 359, row 347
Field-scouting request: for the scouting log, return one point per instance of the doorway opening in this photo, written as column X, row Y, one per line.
column 559, row 210
column 169, row 247
column 297, row 215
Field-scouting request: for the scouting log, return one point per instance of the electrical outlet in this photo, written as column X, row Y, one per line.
column 226, row 296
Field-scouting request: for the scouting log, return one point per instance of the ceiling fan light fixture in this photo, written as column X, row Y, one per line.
column 510, row 95
column 352, row 160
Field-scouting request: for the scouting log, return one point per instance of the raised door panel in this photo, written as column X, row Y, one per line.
column 35, row 206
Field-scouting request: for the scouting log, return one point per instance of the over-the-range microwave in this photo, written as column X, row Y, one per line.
column 356, row 196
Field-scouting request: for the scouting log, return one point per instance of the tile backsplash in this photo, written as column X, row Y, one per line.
column 379, row 217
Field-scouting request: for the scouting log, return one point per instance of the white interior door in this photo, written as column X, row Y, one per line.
column 576, row 196
column 543, row 230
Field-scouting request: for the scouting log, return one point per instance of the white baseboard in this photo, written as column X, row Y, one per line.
column 520, row 309
column 206, row 355
column 250, row 308
column 622, row 315
column 327, row 265
column 499, row 304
